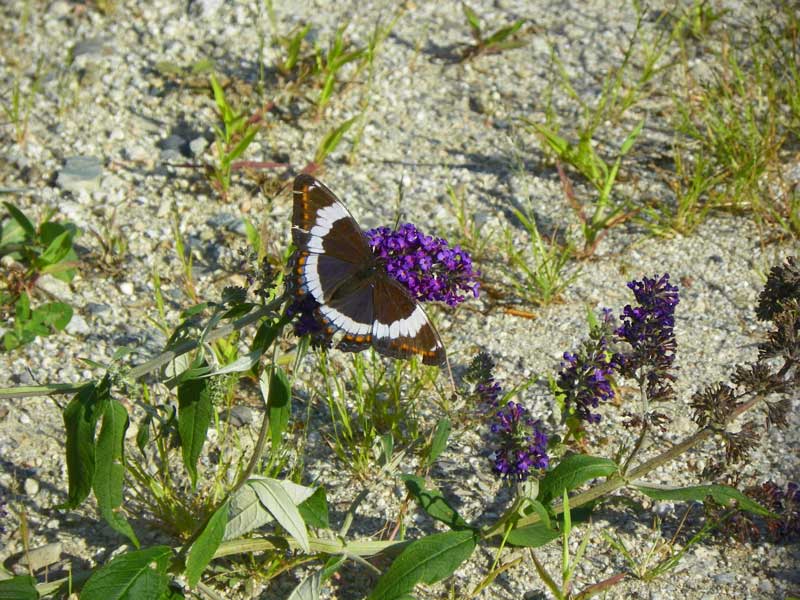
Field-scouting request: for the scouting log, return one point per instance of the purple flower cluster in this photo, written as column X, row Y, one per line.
column 426, row 266
column 648, row 328
column 307, row 321
column 586, row 378
column 522, row 443
column 480, row 373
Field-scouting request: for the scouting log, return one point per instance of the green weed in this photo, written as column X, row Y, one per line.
column 232, row 139
column 538, row 274
column 28, row 252
column 19, row 106
column 504, row 38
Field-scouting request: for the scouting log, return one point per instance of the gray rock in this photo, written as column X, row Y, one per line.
column 239, row 415
column 198, row 145
column 78, row 326
column 41, row 557
column 31, row 487
column 724, row 578
column 80, row 174
column 91, row 46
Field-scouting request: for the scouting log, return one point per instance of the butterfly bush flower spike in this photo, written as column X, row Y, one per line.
column 522, row 445
column 586, row 377
column 480, row 373
column 649, row 329
column 426, row 266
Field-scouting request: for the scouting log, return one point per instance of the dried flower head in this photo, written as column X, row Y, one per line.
column 783, row 283
column 522, row 445
column 426, row 266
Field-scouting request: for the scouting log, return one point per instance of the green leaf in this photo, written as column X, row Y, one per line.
column 504, row 32
column 194, row 416
column 80, row 419
column 19, row 588
column 277, row 501
column 439, row 442
column 426, row 560
column 631, row 139
column 314, row 510
column 572, row 472
column 722, row 494
column 109, row 472
column 239, row 149
column 332, row 140
column 309, row 588
column 532, row 536
column 472, row 19
column 266, row 334
column 279, row 404
column 204, row 547
column 433, row 503
column 247, row 513
column 130, row 576
column 55, row 252
column 53, row 314
column 21, row 220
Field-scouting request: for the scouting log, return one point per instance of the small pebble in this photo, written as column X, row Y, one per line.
column 126, row 287
column 31, row 487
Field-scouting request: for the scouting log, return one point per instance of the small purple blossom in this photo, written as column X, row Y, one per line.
column 426, row 266
column 586, row 378
column 648, row 328
column 480, row 373
column 522, row 443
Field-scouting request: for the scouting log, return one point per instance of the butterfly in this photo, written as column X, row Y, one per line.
column 335, row 266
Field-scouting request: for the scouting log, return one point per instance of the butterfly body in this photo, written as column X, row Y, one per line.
column 336, row 267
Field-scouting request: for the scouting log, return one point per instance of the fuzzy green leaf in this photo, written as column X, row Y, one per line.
column 204, row 547
column 130, row 576
column 80, row 420
column 532, row 536
column 194, row 416
column 314, row 510
column 279, row 503
column 109, row 472
column 722, row 494
column 279, row 404
column 439, row 441
column 433, row 503
column 572, row 472
column 19, row 588
column 427, row 560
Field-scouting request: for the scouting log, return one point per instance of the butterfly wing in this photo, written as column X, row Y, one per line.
column 401, row 328
column 331, row 246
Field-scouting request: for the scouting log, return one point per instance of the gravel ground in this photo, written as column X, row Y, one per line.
column 105, row 105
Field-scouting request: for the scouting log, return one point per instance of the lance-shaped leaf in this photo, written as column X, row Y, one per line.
column 532, row 536
column 722, row 494
column 80, row 419
column 131, row 576
column 278, row 397
column 110, row 470
column 19, row 588
column 433, row 503
column 426, row 560
column 279, row 503
column 439, row 441
column 202, row 551
column 194, row 416
column 247, row 512
column 314, row 509
column 572, row 472
column 309, row 588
